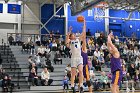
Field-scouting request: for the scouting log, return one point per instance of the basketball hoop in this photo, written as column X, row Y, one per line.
column 99, row 11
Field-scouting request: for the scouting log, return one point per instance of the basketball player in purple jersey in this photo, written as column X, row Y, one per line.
column 116, row 68
column 76, row 58
column 85, row 64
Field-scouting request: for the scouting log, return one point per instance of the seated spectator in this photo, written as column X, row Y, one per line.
column 136, row 52
column 57, row 58
column 104, row 80
column 30, row 60
column 65, row 83
column 107, row 60
column 37, row 40
column 32, row 48
column 33, row 77
column 5, row 84
column 96, row 64
column 68, row 71
column 45, row 40
column 48, row 65
column 37, row 60
column 137, row 62
column 67, row 51
column 61, row 50
column 89, row 63
column 33, row 66
column 54, row 46
column 97, row 53
column 90, row 52
column 45, row 77
column 47, row 50
column 101, row 60
column 104, row 47
column 25, row 47
column 41, row 51
column 11, row 39
column 18, row 39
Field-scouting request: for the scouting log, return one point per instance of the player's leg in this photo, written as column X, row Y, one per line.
column 87, row 76
column 73, row 74
column 80, row 69
column 115, row 82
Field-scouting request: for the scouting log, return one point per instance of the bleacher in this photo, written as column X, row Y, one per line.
column 16, row 65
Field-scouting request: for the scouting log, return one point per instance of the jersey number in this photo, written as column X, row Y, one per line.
column 76, row 45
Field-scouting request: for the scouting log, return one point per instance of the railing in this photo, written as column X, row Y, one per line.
column 25, row 36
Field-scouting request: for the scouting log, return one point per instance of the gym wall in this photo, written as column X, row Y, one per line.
column 55, row 23
column 29, row 23
column 93, row 25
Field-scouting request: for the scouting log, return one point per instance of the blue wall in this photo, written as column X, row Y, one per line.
column 54, row 24
column 91, row 23
column 120, row 27
column 125, row 25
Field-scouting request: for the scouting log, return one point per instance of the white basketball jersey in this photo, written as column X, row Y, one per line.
column 75, row 47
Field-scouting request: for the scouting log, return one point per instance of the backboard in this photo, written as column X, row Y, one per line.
column 78, row 6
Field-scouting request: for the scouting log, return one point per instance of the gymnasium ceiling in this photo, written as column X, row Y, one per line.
column 129, row 5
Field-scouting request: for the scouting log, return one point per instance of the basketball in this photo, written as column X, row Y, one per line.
column 80, row 19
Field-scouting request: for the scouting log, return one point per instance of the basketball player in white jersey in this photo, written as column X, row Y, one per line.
column 76, row 58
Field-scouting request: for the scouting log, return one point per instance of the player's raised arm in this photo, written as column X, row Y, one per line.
column 110, row 44
column 83, row 35
column 68, row 36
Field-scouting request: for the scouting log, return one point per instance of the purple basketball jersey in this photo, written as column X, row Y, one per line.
column 115, row 64
column 85, row 58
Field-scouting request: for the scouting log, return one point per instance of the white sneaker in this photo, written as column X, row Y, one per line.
column 133, row 89
column 127, row 90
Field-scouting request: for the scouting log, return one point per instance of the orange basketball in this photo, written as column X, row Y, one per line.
column 80, row 19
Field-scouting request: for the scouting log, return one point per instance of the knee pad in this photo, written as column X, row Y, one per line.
column 88, row 83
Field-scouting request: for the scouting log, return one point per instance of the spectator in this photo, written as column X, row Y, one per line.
column 101, row 60
column 104, row 47
column 136, row 52
column 30, row 60
column 88, row 33
column 33, row 66
column 107, row 60
column 41, row 51
column 32, row 48
column 90, row 52
column 131, row 70
column 54, row 46
column 101, row 39
column 67, row 51
column 97, row 53
column 37, row 40
column 5, row 84
column 47, row 50
column 45, row 40
column 37, row 60
column 33, row 77
column 48, row 64
column 45, row 77
column 137, row 62
column 68, row 71
column 18, row 39
column 61, row 50
column 104, row 80
column 129, row 81
column 11, row 39
column 65, row 83
column 61, row 39
column 29, row 40
column 95, row 64
column 117, row 42
column 57, row 58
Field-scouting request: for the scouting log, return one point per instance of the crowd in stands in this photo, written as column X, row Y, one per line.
column 98, row 58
